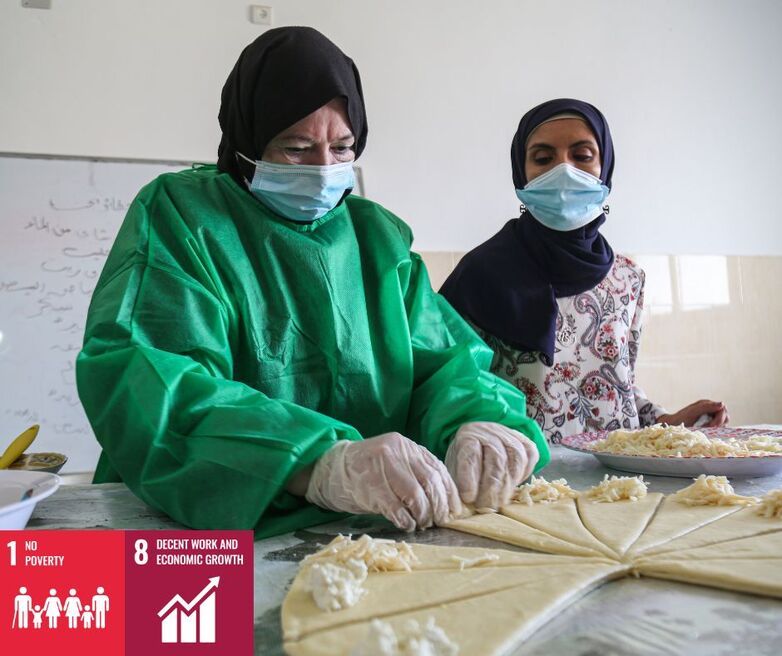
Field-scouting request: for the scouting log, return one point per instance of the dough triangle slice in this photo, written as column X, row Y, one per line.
column 673, row 520
column 431, row 556
column 761, row 576
column 559, row 519
column 763, row 546
column 390, row 593
column 486, row 622
column 619, row 524
column 744, row 523
column 505, row 529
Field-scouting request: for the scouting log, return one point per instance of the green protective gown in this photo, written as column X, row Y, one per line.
column 226, row 348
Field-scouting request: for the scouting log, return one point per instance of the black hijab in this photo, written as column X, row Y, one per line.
column 281, row 77
column 508, row 285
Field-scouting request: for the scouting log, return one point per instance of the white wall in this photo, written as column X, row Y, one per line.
column 691, row 88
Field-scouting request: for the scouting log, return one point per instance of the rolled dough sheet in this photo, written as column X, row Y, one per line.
column 483, row 624
column 744, row 523
column 430, row 556
column 559, row 519
column 673, row 520
column 505, row 529
column 761, row 576
column 765, row 545
column 619, row 524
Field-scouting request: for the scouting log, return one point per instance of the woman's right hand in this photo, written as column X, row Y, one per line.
column 388, row 475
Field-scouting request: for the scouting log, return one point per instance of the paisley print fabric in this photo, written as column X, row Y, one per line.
column 591, row 385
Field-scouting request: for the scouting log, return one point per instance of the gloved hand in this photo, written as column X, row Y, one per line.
column 388, row 475
column 488, row 461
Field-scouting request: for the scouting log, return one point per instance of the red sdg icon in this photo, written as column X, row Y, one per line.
column 62, row 592
column 189, row 592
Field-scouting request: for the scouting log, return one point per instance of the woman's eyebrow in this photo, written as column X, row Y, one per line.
column 540, row 144
column 584, row 142
column 297, row 137
column 349, row 135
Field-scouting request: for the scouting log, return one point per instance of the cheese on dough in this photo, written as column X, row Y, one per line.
column 711, row 491
column 617, row 488
column 335, row 587
column 539, row 490
column 664, row 440
column 378, row 555
column 413, row 639
column 474, row 562
column 771, row 505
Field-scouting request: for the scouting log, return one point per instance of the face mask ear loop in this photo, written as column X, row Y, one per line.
column 237, row 155
column 606, row 208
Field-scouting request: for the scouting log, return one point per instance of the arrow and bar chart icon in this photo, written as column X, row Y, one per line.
column 193, row 621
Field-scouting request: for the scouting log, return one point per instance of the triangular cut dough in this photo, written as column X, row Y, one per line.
column 761, row 576
column 673, row 520
column 430, row 556
column 619, row 524
column 559, row 519
column 744, row 523
column 390, row 593
column 487, row 624
column 505, row 529
column 765, row 545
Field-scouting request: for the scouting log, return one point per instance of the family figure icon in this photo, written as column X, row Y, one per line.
column 92, row 615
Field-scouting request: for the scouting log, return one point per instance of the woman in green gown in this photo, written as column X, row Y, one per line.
column 263, row 349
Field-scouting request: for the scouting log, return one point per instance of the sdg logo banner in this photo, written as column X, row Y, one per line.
column 127, row 592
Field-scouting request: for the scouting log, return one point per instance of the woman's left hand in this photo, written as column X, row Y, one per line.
column 488, row 461
column 688, row 415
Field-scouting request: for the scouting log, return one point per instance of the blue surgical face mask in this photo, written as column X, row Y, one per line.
column 564, row 198
column 300, row 192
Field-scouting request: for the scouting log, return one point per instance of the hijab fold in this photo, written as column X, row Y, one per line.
column 284, row 75
column 508, row 285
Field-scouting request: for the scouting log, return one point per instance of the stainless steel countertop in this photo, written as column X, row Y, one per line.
column 629, row 616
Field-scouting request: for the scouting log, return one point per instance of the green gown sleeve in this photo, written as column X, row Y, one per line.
column 452, row 381
column 154, row 377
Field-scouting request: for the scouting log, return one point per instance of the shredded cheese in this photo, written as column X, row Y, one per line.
column 539, row 490
column 678, row 441
column 474, row 562
column 617, row 488
column 771, row 505
column 412, row 639
column 334, row 586
column 711, row 491
column 377, row 554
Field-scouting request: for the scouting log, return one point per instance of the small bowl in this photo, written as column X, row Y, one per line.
column 20, row 491
column 39, row 462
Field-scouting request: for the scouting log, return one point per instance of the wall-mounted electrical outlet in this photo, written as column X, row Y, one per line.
column 261, row 14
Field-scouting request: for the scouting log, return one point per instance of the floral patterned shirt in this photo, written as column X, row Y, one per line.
column 591, row 385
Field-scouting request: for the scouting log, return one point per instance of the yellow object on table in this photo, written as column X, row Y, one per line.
column 18, row 446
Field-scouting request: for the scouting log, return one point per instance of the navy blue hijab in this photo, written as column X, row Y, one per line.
column 508, row 285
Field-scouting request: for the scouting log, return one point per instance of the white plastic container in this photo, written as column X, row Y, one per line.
column 19, row 492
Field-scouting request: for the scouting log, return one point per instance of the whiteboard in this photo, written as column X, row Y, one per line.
column 58, row 220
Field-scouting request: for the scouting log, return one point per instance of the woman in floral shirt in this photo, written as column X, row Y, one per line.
column 561, row 311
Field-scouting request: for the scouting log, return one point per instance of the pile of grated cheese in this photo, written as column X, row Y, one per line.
column 539, row 490
column 711, row 491
column 337, row 572
column 377, row 554
column 336, row 586
column 412, row 639
column 678, row 441
column 617, row 488
column 771, row 505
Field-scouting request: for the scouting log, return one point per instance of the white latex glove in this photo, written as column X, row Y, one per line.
column 388, row 475
column 488, row 461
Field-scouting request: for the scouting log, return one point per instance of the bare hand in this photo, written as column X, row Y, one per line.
column 688, row 415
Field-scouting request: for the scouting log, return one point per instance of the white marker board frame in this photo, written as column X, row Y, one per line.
column 58, row 219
